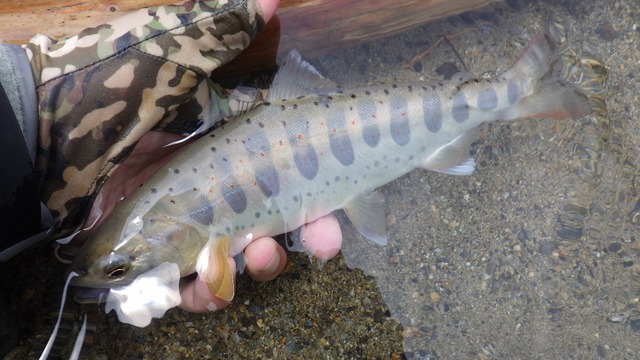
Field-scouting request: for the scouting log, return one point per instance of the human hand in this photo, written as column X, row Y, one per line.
column 101, row 91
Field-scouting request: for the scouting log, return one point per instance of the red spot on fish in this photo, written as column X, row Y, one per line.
column 231, row 186
column 241, row 161
column 299, row 136
column 333, row 130
column 321, row 122
column 353, row 122
column 403, row 114
column 280, row 142
column 261, row 154
column 374, row 116
column 255, row 183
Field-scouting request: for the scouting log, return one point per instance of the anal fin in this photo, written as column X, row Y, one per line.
column 453, row 158
column 366, row 212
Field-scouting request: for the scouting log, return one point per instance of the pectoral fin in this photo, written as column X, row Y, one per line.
column 366, row 212
column 213, row 267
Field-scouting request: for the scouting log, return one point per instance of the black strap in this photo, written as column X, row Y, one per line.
column 19, row 190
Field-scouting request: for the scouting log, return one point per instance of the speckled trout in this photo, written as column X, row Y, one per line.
column 308, row 150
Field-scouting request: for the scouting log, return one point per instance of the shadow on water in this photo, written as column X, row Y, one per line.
column 534, row 255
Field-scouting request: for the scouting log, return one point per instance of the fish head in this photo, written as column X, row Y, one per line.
column 118, row 252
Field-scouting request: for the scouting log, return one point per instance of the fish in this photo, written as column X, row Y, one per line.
column 309, row 149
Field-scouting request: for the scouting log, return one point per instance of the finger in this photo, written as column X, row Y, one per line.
column 265, row 259
column 268, row 8
column 323, row 237
column 197, row 298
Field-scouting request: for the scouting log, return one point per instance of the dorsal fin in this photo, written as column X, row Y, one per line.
column 296, row 78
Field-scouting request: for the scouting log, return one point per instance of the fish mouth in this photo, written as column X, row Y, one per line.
column 85, row 295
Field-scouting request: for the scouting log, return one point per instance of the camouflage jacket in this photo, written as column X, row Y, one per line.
column 100, row 91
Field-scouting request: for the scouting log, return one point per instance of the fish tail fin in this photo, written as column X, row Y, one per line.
column 536, row 89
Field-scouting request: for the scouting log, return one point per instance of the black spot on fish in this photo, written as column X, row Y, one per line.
column 367, row 92
column 235, row 197
column 316, row 103
column 213, row 148
column 282, row 107
column 268, row 181
column 513, row 93
column 306, row 162
column 399, row 126
column 170, row 189
column 261, row 125
column 395, row 86
column 194, row 170
column 386, row 92
column 417, row 67
column 432, row 108
column 295, row 106
column 228, row 141
column 336, row 179
column 154, row 190
column 176, row 171
column 410, row 88
column 248, row 121
column 487, row 99
column 257, row 214
column 460, row 107
column 203, row 215
column 371, row 135
column 295, row 198
column 266, row 103
column 353, row 96
column 284, row 123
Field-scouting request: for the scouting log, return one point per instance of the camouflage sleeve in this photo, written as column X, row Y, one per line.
column 100, row 91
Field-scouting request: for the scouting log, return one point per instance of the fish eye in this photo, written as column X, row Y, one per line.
column 116, row 270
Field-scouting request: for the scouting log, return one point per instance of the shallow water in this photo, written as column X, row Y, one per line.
column 533, row 256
